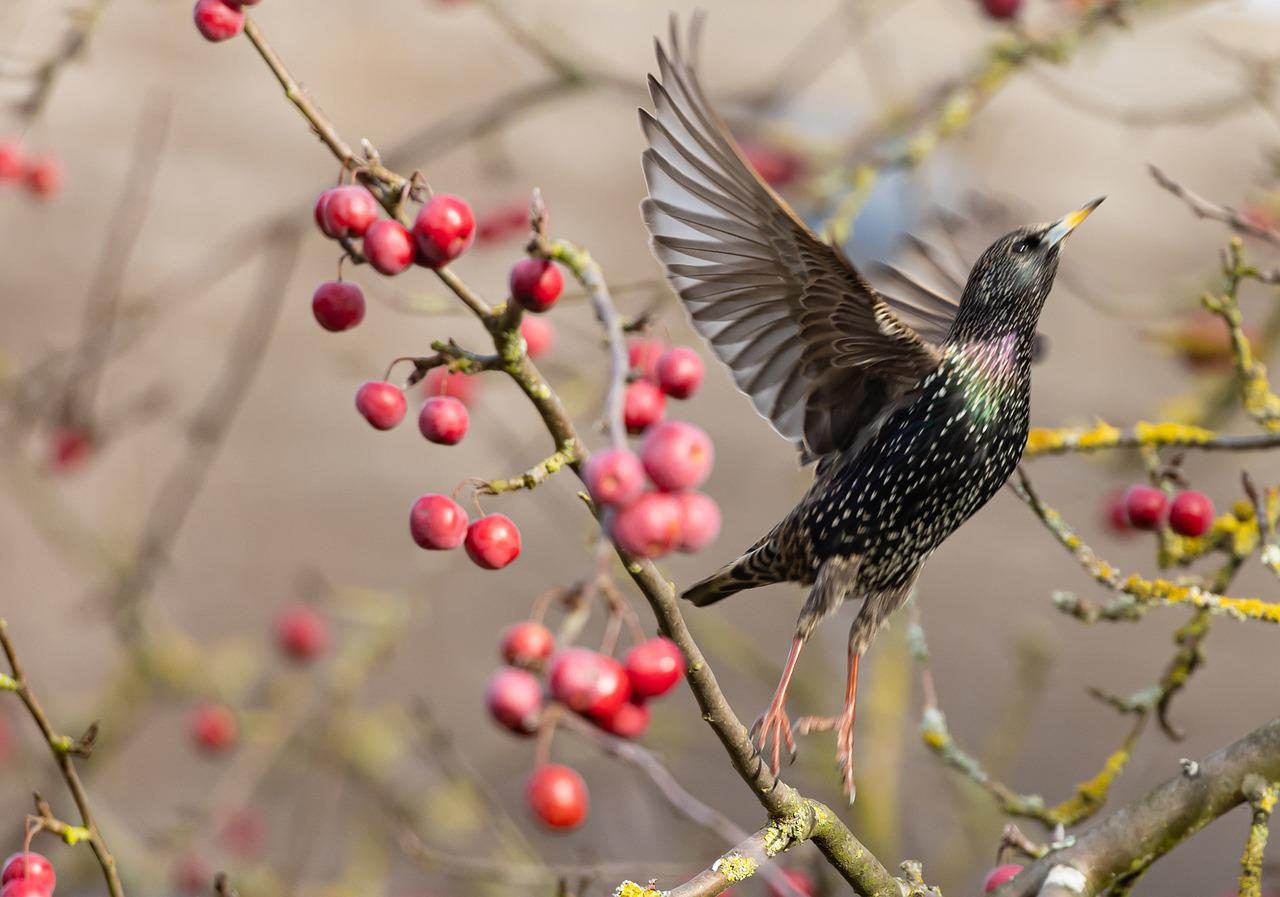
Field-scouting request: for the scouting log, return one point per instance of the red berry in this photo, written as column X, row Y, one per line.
column 527, row 644
column 321, row 218
column 699, row 521
column 1145, row 506
column 1002, row 9
column 348, row 211
column 514, row 700
column 388, row 246
column 628, row 721
column 218, row 20
column 1114, row 513
column 381, row 404
column 539, row 336
column 801, row 880
column 443, row 230
column 437, row 522
column 642, row 406
column 536, row 284
column 558, row 796
column 999, row 875
column 31, row 867
column 43, row 176
column 21, row 887
column 301, row 632
column 444, row 420
column 776, row 167
column 589, row 682
column 338, row 305
column 69, row 448
column 643, row 355
column 677, row 455
column 679, row 372
column 439, row 382
column 213, row 727
column 654, row 667
column 1191, row 513
column 614, row 477
column 11, row 162
column 493, row 541
column 649, row 527
column 503, row 221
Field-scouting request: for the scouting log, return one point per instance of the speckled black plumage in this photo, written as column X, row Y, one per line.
column 915, row 411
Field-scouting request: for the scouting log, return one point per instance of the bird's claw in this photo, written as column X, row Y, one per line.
column 774, row 727
column 843, row 725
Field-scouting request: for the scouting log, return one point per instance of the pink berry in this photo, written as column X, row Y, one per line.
column 43, row 176
column 514, row 700
column 338, row 305
column 443, row 230
column 213, row 727
column 654, row 667
column 539, row 336
column 677, row 455
column 502, row 222
column 679, row 372
column 381, row 404
column 1114, row 513
column 527, row 644
column 999, row 875
column 557, row 795
column 1191, row 513
column 388, row 247
column 776, row 167
column 649, row 527
column 493, row 541
column 643, row 355
column 801, row 880
column 218, row 20
column 437, row 522
column 348, row 211
column 69, row 448
column 589, row 682
column 22, row 887
column 628, row 721
column 321, row 217
column 301, row 632
column 30, row 867
column 444, row 420
column 1145, row 506
column 699, row 521
column 1002, row 9
column 536, row 284
column 643, row 405
column 12, row 165
column 614, row 477
column 439, row 382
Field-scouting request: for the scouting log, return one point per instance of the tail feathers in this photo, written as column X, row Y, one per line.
column 753, row 569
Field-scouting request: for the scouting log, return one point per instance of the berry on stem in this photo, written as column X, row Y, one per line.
column 213, row 727
column 439, row 382
column 437, row 522
column 539, row 336
column 388, row 247
column 642, row 357
column 999, row 875
column 536, row 284
column 629, row 721
column 22, row 887
column 11, row 162
column 699, row 521
column 218, row 20
column 338, row 305
column 493, row 541
column 514, row 700
column 527, row 644
column 614, row 477
column 31, row 867
column 558, row 796
column 643, row 405
column 1191, row 513
column 1145, row 506
column 43, row 176
column 679, row 372
column 443, row 230
column 677, row 455
column 348, row 211
column 382, row 404
column 444, row 420
column 589, row 682
column 654, row 667
column 1114, row 513
column 301, row 632
column 649, row 527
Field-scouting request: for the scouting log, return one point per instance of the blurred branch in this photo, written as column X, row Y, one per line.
column 72, row 47
column 1102, row 437
column 1203, row 208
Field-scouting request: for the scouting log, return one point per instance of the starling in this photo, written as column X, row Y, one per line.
column 914, row 412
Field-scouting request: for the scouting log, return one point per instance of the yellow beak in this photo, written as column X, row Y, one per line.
column 1067, row 223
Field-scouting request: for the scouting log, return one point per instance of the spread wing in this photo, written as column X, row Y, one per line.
column 819, row 352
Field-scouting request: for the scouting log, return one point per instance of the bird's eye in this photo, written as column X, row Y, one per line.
column 1026, row 244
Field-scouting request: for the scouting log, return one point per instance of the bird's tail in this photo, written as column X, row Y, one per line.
column 755, row 568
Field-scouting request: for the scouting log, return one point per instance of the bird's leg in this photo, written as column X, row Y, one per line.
column 773, row 725
column 843, row 724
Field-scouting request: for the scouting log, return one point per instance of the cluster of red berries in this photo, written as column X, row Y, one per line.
column 27, row 875
column 42, row 175
column 610, row 693
column 438, row 523
column 675, row 458
column 1148, row 508
column 219, row 20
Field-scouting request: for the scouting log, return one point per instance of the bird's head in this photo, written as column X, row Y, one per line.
column 1012, row 278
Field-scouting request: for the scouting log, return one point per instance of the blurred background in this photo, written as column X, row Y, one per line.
column 181, row 459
